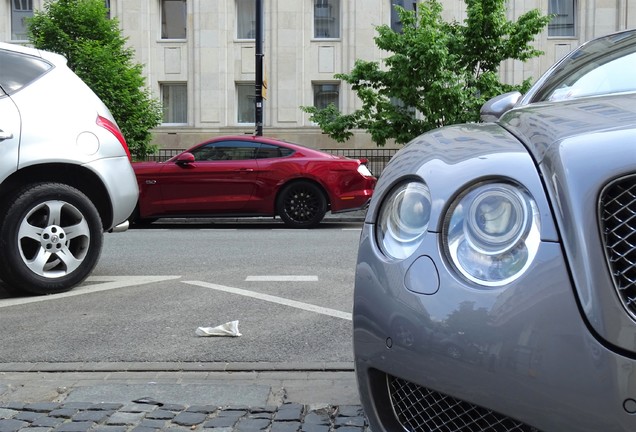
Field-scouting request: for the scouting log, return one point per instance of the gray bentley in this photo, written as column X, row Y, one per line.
column 495, row 286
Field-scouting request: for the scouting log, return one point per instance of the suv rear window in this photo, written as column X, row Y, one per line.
column 18, row 70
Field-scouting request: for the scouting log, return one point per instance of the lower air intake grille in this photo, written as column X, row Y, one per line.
column 422, row 410
column 618, row 224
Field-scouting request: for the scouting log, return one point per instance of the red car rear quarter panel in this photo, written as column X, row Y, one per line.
column 345, row 186
column 272, row 175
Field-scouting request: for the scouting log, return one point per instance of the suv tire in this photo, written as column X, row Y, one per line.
column 50, row 238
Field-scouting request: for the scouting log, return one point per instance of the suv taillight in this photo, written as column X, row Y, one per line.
column 112, row 128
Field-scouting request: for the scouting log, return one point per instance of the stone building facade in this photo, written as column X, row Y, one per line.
column 199, row 55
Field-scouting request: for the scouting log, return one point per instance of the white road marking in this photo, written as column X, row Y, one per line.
column 103, row 283
column 274, row 299
column 281, row 279
column 352, row 229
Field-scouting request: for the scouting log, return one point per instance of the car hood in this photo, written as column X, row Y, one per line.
column 580, row 147
column 543, row 125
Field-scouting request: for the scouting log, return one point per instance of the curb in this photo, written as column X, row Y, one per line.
column 176, row 367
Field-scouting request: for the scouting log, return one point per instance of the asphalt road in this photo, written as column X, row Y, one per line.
column 290, row 290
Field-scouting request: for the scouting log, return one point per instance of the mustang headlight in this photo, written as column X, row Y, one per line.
column 492, row 233
column 403, row 219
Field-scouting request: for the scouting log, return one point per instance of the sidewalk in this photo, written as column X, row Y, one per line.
column 210, row 397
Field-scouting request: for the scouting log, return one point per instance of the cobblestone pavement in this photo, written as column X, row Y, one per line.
column 147, row 415
column 203, row 397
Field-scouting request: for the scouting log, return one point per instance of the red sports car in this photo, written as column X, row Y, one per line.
column 252, row 176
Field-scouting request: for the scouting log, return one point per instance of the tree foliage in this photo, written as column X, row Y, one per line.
column 96, row 51
column 444, row 71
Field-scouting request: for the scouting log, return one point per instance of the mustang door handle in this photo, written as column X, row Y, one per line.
column 246, row 170
column 5, row 135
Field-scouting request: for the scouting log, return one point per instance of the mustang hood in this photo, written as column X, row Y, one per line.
column 584, row 150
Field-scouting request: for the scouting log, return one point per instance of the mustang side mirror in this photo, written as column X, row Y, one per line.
column 185, row 158
column 492, row 110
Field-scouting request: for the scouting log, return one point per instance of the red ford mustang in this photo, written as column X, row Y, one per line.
column 252, row 176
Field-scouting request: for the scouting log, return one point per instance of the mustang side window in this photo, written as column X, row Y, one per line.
column 206, row 152
column 240, row 150
column 268, row 151
column 225, row 151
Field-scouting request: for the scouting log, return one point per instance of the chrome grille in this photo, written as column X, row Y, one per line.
column 419, row 409
column 618, row 225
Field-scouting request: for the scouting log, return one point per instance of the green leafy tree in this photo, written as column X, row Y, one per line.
column 96, row 51
column 445, row 71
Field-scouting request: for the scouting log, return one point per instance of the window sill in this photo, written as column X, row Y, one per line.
column 565, row 38
column 172, row 40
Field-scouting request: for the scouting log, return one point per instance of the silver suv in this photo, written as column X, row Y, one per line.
column 65, row 173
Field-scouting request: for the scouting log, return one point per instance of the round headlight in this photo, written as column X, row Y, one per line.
column 403, row 219
column 497, row 218
column 492, row 233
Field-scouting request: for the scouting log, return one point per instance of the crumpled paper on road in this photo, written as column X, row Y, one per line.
column 227, row 329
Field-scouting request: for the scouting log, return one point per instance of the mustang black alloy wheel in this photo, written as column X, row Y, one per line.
column 301, row 205
column 50, row 239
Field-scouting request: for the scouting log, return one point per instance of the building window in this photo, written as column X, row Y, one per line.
column 107, row 4
column 173, row 19
column 246, row 102
column 396, row 24
column 562, row 25
column 21, row 10
column 174, row 97
column 327, row 19
column 325, row 94
column 245, row 19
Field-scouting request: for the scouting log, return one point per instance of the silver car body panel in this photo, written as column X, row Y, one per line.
column 42, row 140
column 590, row 142
column 115, row 175
column 538, row 364
column 10, row 127
column 541, row 347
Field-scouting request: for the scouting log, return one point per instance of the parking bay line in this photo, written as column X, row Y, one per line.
column 104, row 283
column 273, row 278
column 274, row 299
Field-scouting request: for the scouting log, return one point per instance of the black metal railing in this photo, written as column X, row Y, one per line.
column 163, row 155
column 377, row 159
